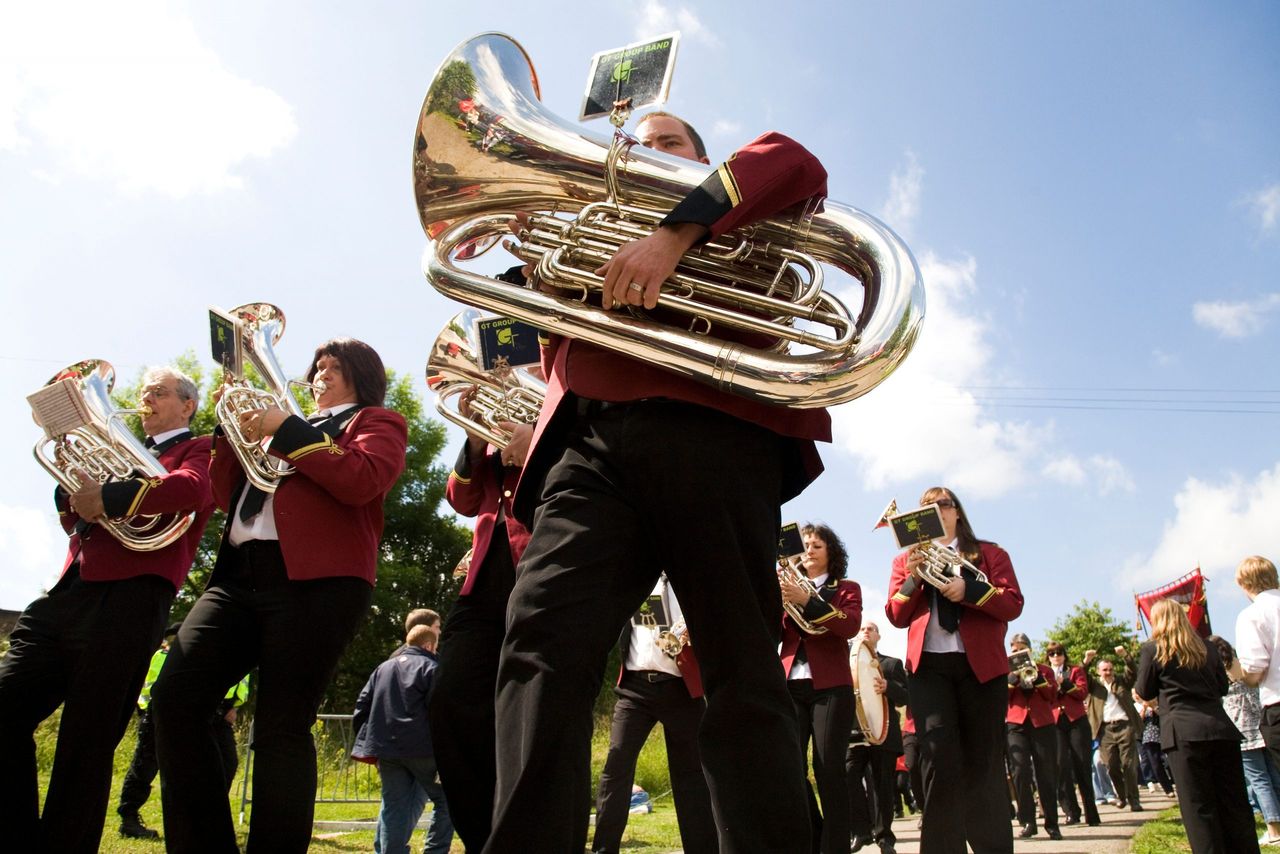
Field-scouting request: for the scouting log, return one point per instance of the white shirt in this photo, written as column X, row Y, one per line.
column 936, row 638
column 644, row 652
column 168, row 434
column 800, row 669
column 1112, row 711
column 263, row 525
column 1257, row 639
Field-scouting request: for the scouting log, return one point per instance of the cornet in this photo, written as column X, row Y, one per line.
column 793, row 566
column 941, row 565
column 1021, row 663
column 672, row 641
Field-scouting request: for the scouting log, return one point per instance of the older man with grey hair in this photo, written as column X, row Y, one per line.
column 86, row 644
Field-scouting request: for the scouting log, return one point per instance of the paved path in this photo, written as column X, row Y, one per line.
column 1111, row 837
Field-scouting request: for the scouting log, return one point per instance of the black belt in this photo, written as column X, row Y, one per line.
column 652, row 675
column 1118, row 723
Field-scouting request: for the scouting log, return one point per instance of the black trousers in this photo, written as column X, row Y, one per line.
column 1212, row 798
column 961, row 738
column 871, row 797
column 1155, row 760
column 640, row 488
column 84, row 645
column 1033, row 756
column 1075, row 768
column 461, row 710
column 1269, row 727
column 142, row 768
column 825, row 717
column 294, row 632
column 643, row 703
column 911, row 759
column 1118, row 748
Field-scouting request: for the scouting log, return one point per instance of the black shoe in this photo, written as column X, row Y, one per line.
column 860, row 842
column 887, row 848
column 1071, row 819
column 1053, row 833
column 1121, row 804
column 1136, row 808
column 132, row 827
column 1028, row 831
column 1096, row 822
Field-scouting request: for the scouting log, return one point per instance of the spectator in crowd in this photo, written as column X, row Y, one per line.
column 1152, row 756
column 1201, row 743
column 1257, row 640
column 392, row 730
column 1245, row 710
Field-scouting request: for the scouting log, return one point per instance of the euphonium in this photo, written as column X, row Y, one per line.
column 260, row 326
column 455, row 369
column 105, row 449
column 588, row 198
column 795, row 566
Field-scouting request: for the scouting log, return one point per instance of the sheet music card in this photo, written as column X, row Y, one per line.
column 917, row 526
column 640, row 71
column 224, row 341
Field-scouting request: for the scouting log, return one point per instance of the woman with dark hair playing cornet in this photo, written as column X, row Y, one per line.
column 957, row 679
column 823, row 610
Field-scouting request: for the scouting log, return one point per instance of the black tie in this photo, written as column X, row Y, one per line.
column 254, row 500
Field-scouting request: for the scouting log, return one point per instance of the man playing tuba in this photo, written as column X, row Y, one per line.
column 87, row 642
column 635, row 470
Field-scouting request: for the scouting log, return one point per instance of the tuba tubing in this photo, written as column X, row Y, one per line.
column 467, row 194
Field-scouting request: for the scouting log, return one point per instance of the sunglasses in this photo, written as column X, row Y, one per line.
column 945, row 503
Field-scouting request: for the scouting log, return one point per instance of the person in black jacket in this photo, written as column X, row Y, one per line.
column 871, row 808
column 1199, row 740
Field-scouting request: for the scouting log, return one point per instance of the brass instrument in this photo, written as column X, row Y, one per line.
column 941, row 565
column 671, row 640
column 260, row 326
column 587, row 196
column 455, row 369
column 1022, row 664
column 794, row 566
column 96, row 442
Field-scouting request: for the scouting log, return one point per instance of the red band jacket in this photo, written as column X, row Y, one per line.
column 328, row 513
column 185, row 489
column 480, row 487
column 838, row 609
column 985, row 615
column 766, row 176
column 1073, row 694
column 1037, row 703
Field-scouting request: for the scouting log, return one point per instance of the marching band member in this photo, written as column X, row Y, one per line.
column 818, row 675
column 1075, row 747
column 87, row 643
column 1033, row 743
column 461, row 708
column 656, row 687
column 871, row 806
column 958, row 670
column 634, row 469
column 292, row 581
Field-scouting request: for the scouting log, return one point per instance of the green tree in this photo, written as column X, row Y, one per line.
column 455, row 82
column 420, row 545
column 1091, row 626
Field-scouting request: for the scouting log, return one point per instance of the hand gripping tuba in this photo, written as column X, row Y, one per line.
column 454, row 369
column 102, row 447
column 260, row 326
column 486, row 149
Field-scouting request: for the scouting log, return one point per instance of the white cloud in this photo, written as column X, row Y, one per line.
column 33, row 547
column 656, row 18
column 905, row 184
column 1214, row 526
column 1163, row 358
column 1265, row 205
column 1103, row 473
column 923, row 421
column 726, row 127
column 1236, row 319
column 128, row 94
column 1068, row 470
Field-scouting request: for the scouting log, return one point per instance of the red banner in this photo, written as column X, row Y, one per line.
column 1188, row 591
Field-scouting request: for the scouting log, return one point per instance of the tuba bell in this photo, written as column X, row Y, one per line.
column 587, row 196
column 260, row 326
column 83, row 432
column 504, row 393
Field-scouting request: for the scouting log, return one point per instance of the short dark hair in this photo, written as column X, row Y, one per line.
column 837, row 554
column 1225, row 651
column 698, row 147
column 361, row 366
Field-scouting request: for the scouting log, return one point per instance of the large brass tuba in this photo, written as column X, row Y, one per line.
column 502, row 394
column 92, row 439
column 260, row 326
column 486, row 148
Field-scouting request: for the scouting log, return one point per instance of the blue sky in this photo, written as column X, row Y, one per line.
column 1092, row 191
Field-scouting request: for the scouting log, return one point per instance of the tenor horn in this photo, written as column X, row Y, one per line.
column 260, row 326
column 588, row 195
column 504, row 393
column 84, row 433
